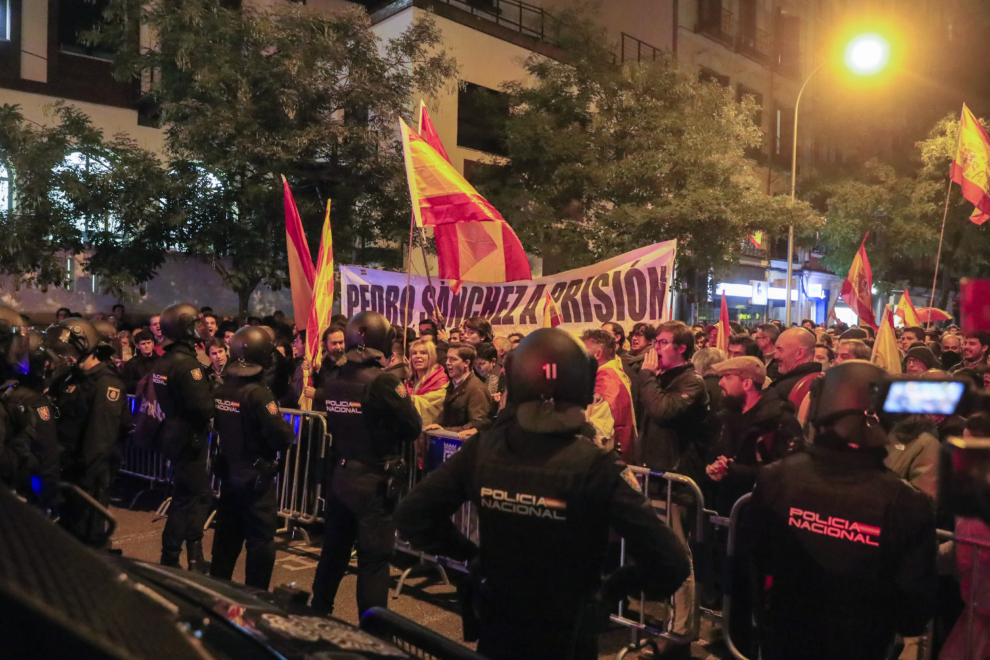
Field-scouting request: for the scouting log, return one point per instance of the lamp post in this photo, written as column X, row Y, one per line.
column 865, row 55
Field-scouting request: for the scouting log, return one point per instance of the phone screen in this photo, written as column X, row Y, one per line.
column 931, row 397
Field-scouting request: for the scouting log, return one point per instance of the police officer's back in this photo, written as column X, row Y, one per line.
column 186, row 401
column 370, row 416
column 546, row 499
column 15, row 453
column 252, row 432
column 844, row 551
column 93, row 414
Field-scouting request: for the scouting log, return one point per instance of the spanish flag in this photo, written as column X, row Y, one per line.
column 551, row 315
column 321, row 308
column 474, row 242
column 756, row 238
column 971, row 165
column 885, row 353
column 724, row 329
column 906, row 311
column 857, row 290
column 301, row 270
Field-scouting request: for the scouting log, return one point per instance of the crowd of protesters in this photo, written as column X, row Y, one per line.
column 665, row 398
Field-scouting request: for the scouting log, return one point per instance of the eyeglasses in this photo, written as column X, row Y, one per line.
column 663, row 342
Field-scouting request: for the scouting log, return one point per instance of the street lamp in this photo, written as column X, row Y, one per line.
column 865, row 55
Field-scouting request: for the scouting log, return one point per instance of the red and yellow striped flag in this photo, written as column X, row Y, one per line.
column 971, row 165
column 301, row 271
column 857, row 290
column 551, row 315
column 474, row 242
column 321, row 308
column 885, row 353
column 724, row 329
column 906, row 311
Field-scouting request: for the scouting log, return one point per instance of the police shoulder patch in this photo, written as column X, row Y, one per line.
column 113, row 393
column 630, row 478
column 401, row 391
column 272, row 407
column 197, row 374
column 44, row 413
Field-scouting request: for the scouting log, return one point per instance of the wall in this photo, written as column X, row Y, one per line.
column 180, row 280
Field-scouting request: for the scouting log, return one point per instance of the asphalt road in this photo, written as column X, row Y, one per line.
column 424, row 598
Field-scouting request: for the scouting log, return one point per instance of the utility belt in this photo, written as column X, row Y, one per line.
column 395, row 470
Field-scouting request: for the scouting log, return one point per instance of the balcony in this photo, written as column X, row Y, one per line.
column 755, row 45
column 633, row 49
column 747, row 249
column 716, row 22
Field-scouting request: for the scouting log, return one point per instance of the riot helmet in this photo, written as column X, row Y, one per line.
column 10, row 333
column 251, row 351
column 368, row 335
column 178, row 322
column 106, row 333
column 72, row 338
column 844, row 405
column 34, row 362
column 551, row 379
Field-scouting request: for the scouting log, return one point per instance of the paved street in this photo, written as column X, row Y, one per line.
column 424, row 598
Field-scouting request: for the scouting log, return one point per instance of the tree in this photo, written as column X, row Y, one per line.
column 603, row 158
column 75, row 191
column 248, row 95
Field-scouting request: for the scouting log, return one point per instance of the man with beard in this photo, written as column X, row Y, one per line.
column 974, row 349
column 766, row 338
column 796, row 352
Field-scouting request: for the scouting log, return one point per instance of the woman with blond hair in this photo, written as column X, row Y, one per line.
column 428, row 381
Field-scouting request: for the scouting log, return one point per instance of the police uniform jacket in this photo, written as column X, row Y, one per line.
column 34, row 415
column 672, row 432
column 183, row 392
column 249, row 425
column 135, row 369
column 545, row 506
column 15, row 448
column 369, row 413
column 844, row 554
column 93, row 415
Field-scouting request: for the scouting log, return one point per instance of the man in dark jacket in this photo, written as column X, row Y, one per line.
column 183, row 392
column 843, row 551
column 798, row 369
column 467, row 406
column 675, row 405
column 141, row 364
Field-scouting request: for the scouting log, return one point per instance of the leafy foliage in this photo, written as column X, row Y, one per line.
column 604, row 158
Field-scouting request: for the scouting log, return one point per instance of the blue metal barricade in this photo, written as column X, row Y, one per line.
column 299, row 485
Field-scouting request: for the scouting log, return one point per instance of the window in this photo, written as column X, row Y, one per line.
column 707, row 75
column 743, row 91
column 4, row 189
column 787, row 49
column 75, row 18
column 783, row 135
column 4, row 20
column 481, row 117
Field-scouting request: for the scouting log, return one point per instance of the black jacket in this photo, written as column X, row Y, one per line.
column 135, row 369
column 786, row 382
column 848, row 551
column 183, row 391
column 545, row 505
column 672, row 431
column 249, row 426
column 763, row 434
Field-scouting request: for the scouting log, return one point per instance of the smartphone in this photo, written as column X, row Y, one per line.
column 931, row 397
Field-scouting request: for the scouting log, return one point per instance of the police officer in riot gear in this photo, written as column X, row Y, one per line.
column 15, row 452
column 840, row 551
column 546, row 499
column 252, row 432
column 183, row 392
column 371, row 417
column 26, row 394
column 93, row 415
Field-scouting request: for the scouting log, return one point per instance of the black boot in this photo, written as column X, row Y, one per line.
column 194, row 557
column 170, row 558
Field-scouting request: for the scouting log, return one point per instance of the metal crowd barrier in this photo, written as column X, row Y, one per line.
column 143, row 463
column 664, row 507
column 299, row 485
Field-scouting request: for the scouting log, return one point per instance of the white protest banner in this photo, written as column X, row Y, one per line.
column 626, row 289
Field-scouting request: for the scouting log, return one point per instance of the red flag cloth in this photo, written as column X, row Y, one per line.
column 971, row 165
column 857, row 290
column 933, row 314
column 302, row 273
column 724, row 329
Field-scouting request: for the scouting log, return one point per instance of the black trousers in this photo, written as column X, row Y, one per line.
column 357, row 511
column 81, row 520
column 245, row 518
column 192, row 497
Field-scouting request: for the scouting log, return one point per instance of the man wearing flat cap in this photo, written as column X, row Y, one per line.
column 757, row 429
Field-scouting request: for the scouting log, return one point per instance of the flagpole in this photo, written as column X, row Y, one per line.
column 405, row 336
column 938, row 255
